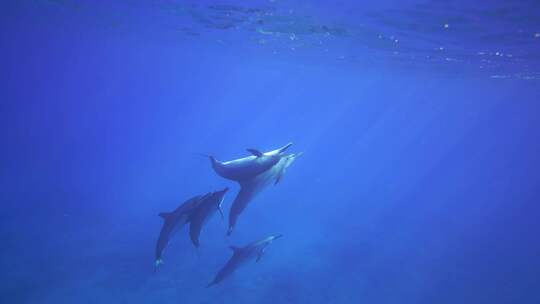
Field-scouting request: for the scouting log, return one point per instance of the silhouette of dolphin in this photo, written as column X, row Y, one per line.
column 203, row 211
column 250, row 166
column 252, row 186
column 173, row 221
column 241, row 255
column 253, row 173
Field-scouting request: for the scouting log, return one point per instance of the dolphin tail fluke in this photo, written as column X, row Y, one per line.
column 212, row 159
column 211, row 284
column 157, row 263
column 230, row 230
column 216, row 164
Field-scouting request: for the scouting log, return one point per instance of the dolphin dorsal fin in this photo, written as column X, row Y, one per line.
column 255, row 152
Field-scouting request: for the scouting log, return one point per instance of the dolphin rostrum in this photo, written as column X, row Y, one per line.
column 173, row 221
column 253, row 173
column 241, row 255
column 203, row 211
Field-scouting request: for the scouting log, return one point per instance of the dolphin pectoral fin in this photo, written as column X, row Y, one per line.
column 221, row 213
column 280, row 174
column 278, row 178
column 259, row 257
column 195, row 231
column 255, row 152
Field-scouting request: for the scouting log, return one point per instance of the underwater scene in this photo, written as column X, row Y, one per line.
column 270, row 151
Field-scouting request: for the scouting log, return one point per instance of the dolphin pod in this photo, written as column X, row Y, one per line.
column 253, row 173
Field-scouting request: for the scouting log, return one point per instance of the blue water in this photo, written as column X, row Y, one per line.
column 419, row 123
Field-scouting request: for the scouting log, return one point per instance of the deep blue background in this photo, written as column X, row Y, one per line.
column 419, row 182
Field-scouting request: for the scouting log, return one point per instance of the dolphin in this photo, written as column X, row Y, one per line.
column 241, row 255
column 173, row 221
column 250, row 166
column 203, row 211
column 253, row 173
column 251, row 187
